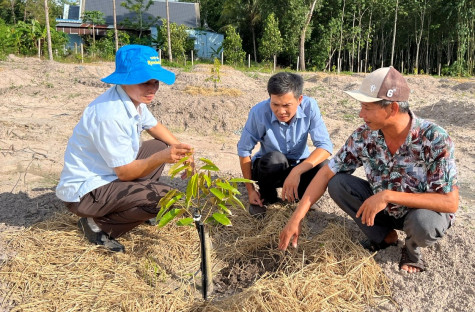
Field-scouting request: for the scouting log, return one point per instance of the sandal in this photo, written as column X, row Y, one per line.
column 406, row 261
column 373, row 246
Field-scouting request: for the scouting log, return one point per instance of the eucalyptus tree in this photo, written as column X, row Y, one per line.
column 303, row 34
column 342, row 22
column 324, row 36
column 465, row 36
column 419, row 14
column 394, row 33
column 292, row 16
column 363, row 29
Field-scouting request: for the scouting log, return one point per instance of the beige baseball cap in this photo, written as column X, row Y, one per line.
column 383, row 84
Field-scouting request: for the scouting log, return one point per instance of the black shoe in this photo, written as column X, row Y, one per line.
column 272, row 200
column 373, row 246
column 257, row 211
column 99, row 238
column 152, row 221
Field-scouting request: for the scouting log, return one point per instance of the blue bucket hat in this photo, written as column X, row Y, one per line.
column 136, row 64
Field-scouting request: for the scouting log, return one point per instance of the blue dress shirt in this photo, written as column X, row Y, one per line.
column 107, row 136
column 290, row 139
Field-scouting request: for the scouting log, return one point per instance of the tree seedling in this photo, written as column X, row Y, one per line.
column 206, row 196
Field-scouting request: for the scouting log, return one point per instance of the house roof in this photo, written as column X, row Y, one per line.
column 181, row 13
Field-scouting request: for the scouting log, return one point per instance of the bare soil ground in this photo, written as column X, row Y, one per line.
column 41, row 102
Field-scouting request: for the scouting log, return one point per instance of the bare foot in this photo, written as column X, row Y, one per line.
column 409, row 266
column 410, row 269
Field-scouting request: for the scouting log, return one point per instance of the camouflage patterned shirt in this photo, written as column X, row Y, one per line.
column 424, row 163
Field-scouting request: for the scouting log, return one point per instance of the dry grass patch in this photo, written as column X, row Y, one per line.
column 55, row 269
column 193, row 90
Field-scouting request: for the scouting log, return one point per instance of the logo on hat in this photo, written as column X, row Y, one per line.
column 390, row 92
column 372, row 88
column 154, row 61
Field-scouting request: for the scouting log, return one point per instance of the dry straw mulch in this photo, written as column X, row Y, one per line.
column 55, row 269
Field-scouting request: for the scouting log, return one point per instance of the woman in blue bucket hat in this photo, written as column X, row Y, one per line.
column 110, row 178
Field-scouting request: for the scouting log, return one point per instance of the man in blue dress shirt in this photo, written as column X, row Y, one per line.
column 110, row 178
column 282, row 124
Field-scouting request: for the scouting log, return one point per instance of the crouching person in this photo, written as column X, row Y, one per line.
column 410, row 170
column 110, row 178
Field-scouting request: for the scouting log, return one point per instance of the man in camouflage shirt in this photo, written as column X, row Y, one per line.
column 410, row 169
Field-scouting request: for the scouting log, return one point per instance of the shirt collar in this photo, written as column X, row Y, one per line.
column 129, row 105
column 414, row 127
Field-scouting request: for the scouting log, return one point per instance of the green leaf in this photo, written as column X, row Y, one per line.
column 204, row 190
column 241, row 180
column 210, row 168
column 221, row 218
column 166, row 202
column 174, row 172
column 225, row 209
column 176, row 167
column 173, row 200
column 207, row 179
column 191, row 189
column 169, row 216
column 207, row 161
column 228, row 187
column 185, row 221
column 236, row 202
column 163, row 201
column 211, row 221
column 216, row 192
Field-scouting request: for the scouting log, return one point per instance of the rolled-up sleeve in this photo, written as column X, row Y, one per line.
column 346, row 159
column 148, row 120
column 441, row 168
column 318, row 130
column 249, row 136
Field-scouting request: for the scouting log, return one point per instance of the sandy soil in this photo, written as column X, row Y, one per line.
column 41, row 102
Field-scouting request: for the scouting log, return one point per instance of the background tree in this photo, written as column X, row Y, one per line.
column 210, row 13
column 271, row 41
column 303, row 35
column 7, row 43
column 106, row 46
column 244, row 15
column 94, row 18
column 139, row 8
column 291, row 15
column 394, row 33
column 419, row 13
column 180, row 42
column 48, row 32
column 435, row 37
column 114, row 16
column 169, row 40
column 232, row 46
